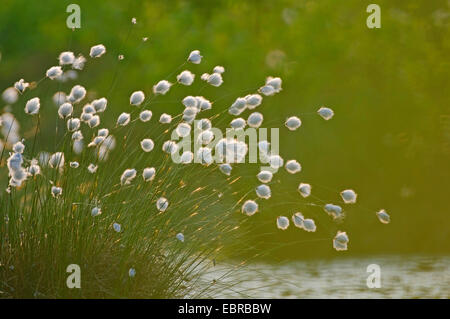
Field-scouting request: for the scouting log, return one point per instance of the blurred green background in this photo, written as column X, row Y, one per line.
column 389, row 139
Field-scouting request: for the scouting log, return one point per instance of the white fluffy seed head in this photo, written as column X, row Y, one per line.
column 77, row 136
column 204, row 77
column 165, row 118
column 334, row 211
column 56, row 191
column 94, row 121
column 326, row 113
column 21, row 85
column 219, row 69
column 10, row 95
column 255, row 120
column 66, row 58
column 103, row 132
column 309, row 225
column 97, row 51
column 253, row 100
column 250, row 207
column 59, row 98
column 195, row 57
column 137, row 98
column 127, row 176
column 298, row 220
column 304, row 189
column 99, row 105
column 92, row 168
column 32, row 106
column 65, row 110
column 238, row 123
column 147, row 145
column 183, row 129
column 56, row 160
column 96, row 211
column 123, row 119
column 54, row 72
column 293, row 123
column 190, row 101
column 275, row 83
column 145, row 115
column 186, row 77
column 383, row 217
column 169, row 147
column 292, row 166
column 340, row 241
column 267, row 90
column 276, row 161
column 117, row 227
column 264, row 176
column 282, row 222
column 73, row 124
column 349, row 196
column 215, row 79
column 187, row 157
column 18, row 147
column 204, row 156
column 180, row 237
column 203, row 124
column 263, row 191
column 240, row 103
column 225, row 168
column 78, row 63
column 74, row 164
column 77, row 94
column 162, row 87
column 205, row 137
column 161, row 204
column 203, row 104
column 148, row 174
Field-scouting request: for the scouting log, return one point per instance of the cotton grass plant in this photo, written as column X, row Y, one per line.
column 110, row 198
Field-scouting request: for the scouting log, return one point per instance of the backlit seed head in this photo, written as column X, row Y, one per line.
column 334, row 211
column 147, row 145
column 187, row 157
column 195, row 57
column 92, row 168
column 10, row 95
column 183, row 129
column 32, row 106
column 190, row 101
column 203, row 104
column 56, row 191
column 298, row 220
column 219, row 69
column 137, row 98
column 78, row 63
column 170, row 147
column 205, row 137
column 189, row 114
column 74, row 164
column 309, row 225
column 97, row 51
column 292, row 166
column 215, row 79
column 383, row 217
column 255, row 120
column 253, row 100
column 165, row 118
column 34, row 168
column 85, row 117
column 275, row 83
column 349, row 196
column 180, row 237
column 282, row 222
column 225, row 168
column 56, row 160
column 203, row 124
column 161, row 204
column 326, row 113
column 96, row 211
column 103, row 132
column 89, row 108
column 264, row 146
column 293, row 123
column 204, row 77
column 149, row 174
column 263, row 191
column 66, row 58
column 123, row 119
column 145, row 115
column 73, row 124
column 59, row 98
column 185, row 77
column 238, row 123
column 117, row 227
column 267, row 90
column 99, row 105
column 131, row 272
column 304, row 189
column 340, row 241
column 77, row 136
column 250, row 207
column 77, row 94
column 94, row 121
column 21, row 85
column 204, row 156
column 18, row 147
column 54, row 72
column 162, row 87
column 65, row 110
column 276, row 161
column 264, row 176
column 127, row 176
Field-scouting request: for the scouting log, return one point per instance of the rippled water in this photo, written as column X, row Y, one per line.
column 401, row 277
